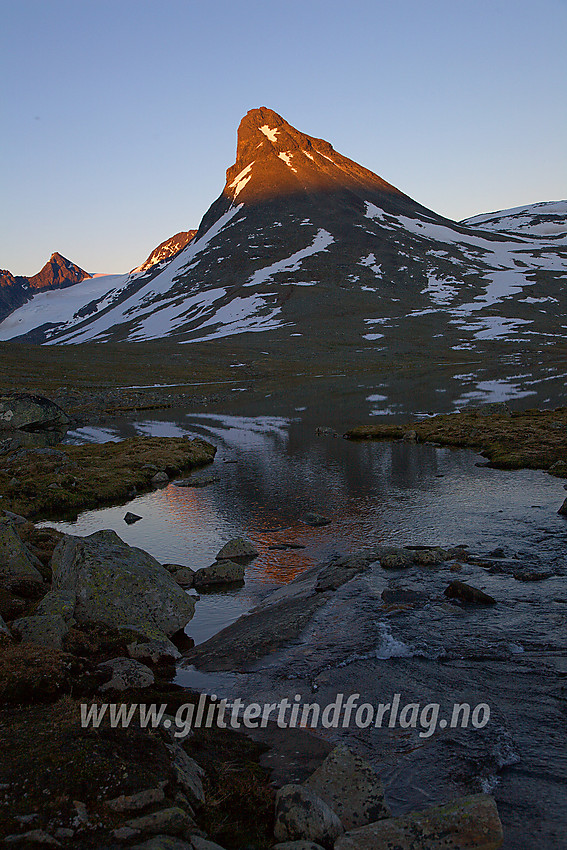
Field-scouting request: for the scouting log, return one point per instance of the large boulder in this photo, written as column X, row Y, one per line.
column 471, row 823
column 303, row 815
column 119, row 586
column 18, row 567
column 350, row 787
column 30, row 412
column 46, row 630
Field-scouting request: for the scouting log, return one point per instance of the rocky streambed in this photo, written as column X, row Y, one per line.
column 386, row 624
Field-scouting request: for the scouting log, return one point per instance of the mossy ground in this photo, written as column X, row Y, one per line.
column 529, row 439
column 37, row 484
column 49, row 761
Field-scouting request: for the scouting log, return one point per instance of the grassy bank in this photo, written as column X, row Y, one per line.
column 58, row 483
column 529, row 439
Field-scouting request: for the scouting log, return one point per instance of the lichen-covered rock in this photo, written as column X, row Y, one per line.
column 199, row 843
column 425, row 557
column 172, row 821
column 20, row 410
column 471, row 823
column 46, row 630
column 237, row 548
column 136, row 802
column 303, row 815
column 221, row 572
column 184, row 576
column 153, row 651
column 188, row 773
column 347, row 783
column 297, row 845
column 119, row 586
column 393, row 558
column 4, row 630
column 57, row 602
column 32, row 838
column 17, row 564
column 163, row 842
column 466, row 593
column 160, row 479
column 126, row 674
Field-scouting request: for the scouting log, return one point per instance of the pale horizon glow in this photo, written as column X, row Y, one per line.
column 120, row 117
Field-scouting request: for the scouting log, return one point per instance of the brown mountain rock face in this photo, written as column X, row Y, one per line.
column 57, row 273
column 274, row 159
column 168, row 249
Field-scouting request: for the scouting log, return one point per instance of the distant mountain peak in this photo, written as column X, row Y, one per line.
column 57, row 272
column 273, row 158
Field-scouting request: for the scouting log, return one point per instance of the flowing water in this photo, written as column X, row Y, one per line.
column 275, row 468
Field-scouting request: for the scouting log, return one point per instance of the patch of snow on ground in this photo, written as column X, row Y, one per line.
column 321, row 242
column 370, row 262
column 493, row 391
column 440, row 290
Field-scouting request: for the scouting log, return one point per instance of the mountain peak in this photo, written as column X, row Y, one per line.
column 56, row 273
column 273, row 158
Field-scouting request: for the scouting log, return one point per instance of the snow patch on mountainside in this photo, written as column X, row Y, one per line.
column 269, row 132
column 321, row 242
column 63, row 305
column 544, row 219
column 241, row 179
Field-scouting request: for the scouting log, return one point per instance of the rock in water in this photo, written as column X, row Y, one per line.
column 221, row 572
column 466, row 593
column 350, row 787
column 563, row 509
column 303, row 815
column 237, row 548
column 130, row 518
column 315, row 520
column 471, row 823
column 119, row 586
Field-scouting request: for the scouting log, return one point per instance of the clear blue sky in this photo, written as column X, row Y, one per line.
column 119, row 117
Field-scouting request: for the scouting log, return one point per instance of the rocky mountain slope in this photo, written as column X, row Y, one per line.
column 306, row 245
column 57, row 273
column 166, row 250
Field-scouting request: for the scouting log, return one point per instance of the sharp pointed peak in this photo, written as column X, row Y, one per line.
column 273, row 158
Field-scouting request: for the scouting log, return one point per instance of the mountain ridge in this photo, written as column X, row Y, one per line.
column 57, row 273
column 303, row 242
